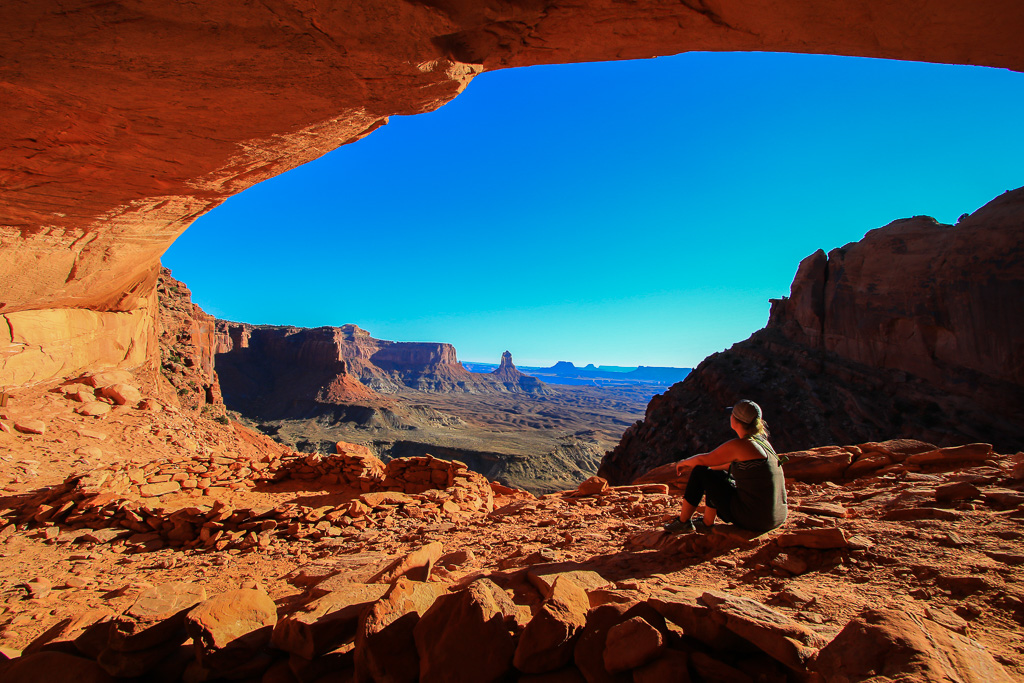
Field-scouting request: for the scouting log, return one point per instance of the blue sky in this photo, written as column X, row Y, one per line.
column 620, row 213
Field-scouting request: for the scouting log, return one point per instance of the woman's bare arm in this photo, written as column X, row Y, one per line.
column 720, row 458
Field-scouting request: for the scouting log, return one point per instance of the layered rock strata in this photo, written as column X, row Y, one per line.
column 123, row 123
column 912, row 332
column 284, row 371
column 277, row 372
column 187, row 340
column 42, row 344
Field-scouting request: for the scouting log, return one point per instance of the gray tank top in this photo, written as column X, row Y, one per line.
column 760, row 500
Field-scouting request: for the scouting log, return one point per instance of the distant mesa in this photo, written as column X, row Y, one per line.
column 285, row 371
column 567, row 373
column 509, row 375
column 507, row 370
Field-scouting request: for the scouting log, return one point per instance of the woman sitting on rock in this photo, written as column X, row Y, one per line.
column 741, row 480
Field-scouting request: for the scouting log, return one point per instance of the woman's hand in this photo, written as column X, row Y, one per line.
column 689, row 463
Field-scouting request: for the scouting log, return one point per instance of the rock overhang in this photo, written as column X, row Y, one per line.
column 124, row 123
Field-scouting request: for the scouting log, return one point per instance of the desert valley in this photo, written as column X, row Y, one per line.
column 193, row 499
column 309, row 388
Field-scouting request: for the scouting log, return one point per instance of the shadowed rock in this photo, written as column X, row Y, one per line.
column 898, row 644
column 448, row 636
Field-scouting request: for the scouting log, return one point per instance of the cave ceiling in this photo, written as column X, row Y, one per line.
column 125, row 121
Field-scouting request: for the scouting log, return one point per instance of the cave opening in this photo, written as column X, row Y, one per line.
column 666, row 199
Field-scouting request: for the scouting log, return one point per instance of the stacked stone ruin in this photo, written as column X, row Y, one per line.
column 123, row 503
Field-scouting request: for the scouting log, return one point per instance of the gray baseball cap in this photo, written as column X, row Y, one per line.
column 746, row 411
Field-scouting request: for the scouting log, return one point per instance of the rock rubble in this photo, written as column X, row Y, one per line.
column 374, row 569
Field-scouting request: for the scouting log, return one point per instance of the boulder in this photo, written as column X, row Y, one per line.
column 822, row 538
column 971, row 452
column 346, row 448
column 897, row 449
column 30, row 426
column 120, row 393
column 543, row 577
column 159, row 489
column 630, row 644
column 417, row 564
column 1004, row 498
column 955, row 491
column 39, row 587
column 826, row 463
column 93, row 409
column 592, row 486
column 777, row 635
column 450, row 635
column 900, row 645
column 867, row 463
column 325, row 623
column 385, row 648
column 546, row 644
column 382, row 498
column 229, row 628
column 588, row 655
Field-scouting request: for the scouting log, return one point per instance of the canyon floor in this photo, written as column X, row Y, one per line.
column 945, row 545
column 541, row 443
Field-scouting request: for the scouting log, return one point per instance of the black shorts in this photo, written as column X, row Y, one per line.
column 717, row 487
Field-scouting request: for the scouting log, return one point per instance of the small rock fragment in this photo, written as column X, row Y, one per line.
column 93, row 409
column 38, row 587
column 30, row 426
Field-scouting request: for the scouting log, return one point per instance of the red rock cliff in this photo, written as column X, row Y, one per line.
column 269, row 370
column 188, row 340
column 283, row 371
column 913, row 331
column 123, row 122
column 933, row 300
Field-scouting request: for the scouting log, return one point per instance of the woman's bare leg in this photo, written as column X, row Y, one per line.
column 709, row 516
column 686, row 511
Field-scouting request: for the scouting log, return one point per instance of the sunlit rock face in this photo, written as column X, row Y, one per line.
column 286, row 372
column 123, row 122
column 938, row 301
column 914, row 331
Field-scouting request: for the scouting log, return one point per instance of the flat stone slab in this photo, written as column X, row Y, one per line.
column 543, row 578
column 159, row 489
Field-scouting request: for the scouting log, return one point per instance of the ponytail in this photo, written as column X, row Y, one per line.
column 758, row 428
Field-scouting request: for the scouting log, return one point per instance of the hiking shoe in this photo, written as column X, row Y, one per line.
column 701, row 528
column 678, row 526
